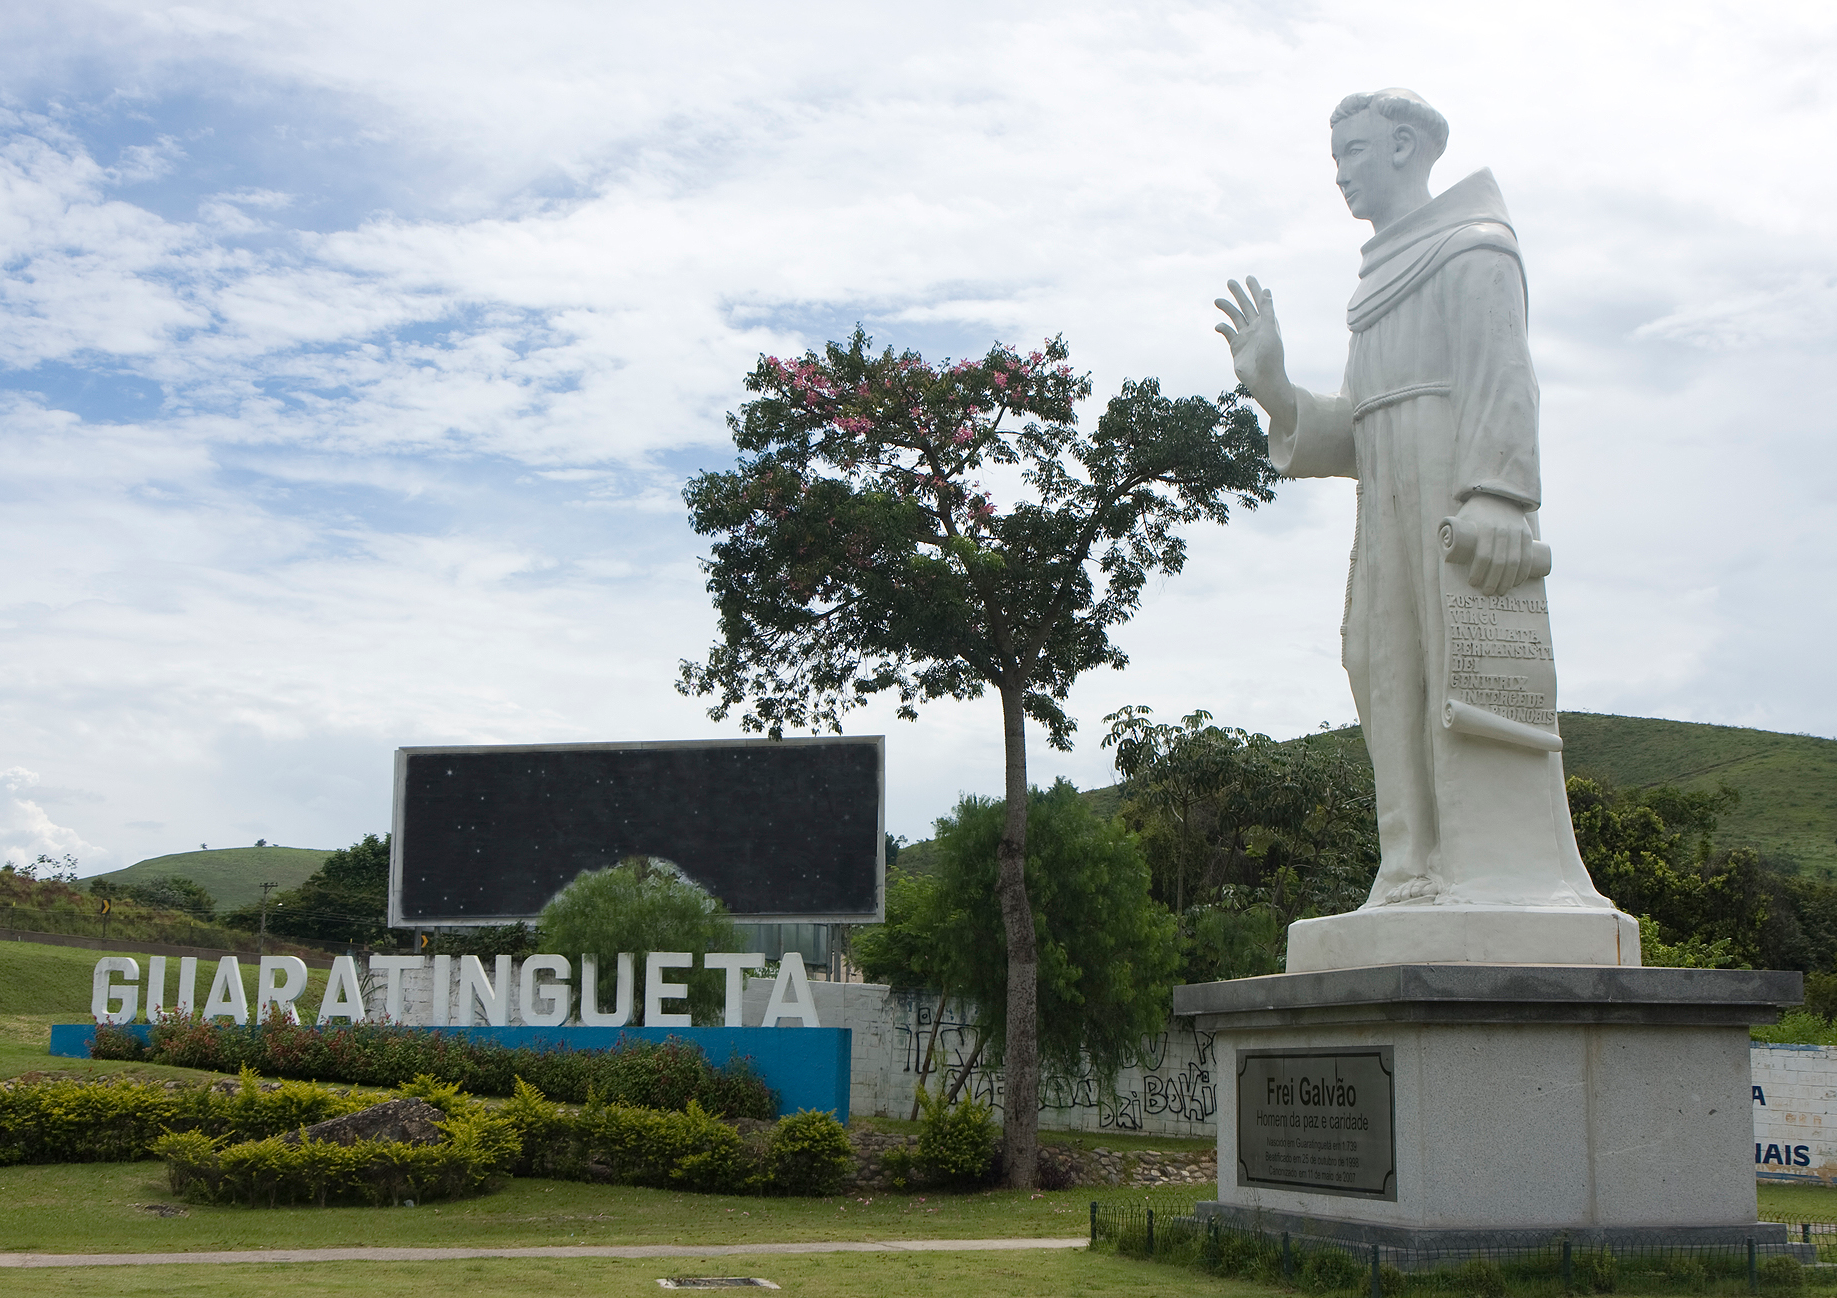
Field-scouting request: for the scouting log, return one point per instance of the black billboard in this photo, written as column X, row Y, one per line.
column 779, row 830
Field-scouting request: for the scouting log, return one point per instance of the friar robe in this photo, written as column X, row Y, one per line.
column 1439, row 402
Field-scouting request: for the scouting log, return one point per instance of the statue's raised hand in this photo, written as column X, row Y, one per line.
column 1256, row 348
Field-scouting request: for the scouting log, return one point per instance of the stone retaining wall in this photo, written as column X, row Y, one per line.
column 1061, row 1166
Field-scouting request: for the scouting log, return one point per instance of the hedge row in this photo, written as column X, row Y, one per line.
column 803, row 1153
column 224, row 1146
column 645, row 1074
column 119, row 1121
column 262, row 1173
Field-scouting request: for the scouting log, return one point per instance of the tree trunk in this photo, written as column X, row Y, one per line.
column 1021, row 1056
column 969, row 1066
column 924, row 1070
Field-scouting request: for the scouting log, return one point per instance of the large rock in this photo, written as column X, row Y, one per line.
column 409, row 1121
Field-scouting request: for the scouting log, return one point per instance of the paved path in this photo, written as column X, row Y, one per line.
column 272, row 1255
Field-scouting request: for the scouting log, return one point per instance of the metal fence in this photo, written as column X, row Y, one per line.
column 1167, row 1229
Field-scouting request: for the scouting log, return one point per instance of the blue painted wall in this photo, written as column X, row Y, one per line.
column 808, row 1067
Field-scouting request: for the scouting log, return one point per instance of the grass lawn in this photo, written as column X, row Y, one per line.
column 93, row 1208
column 1046, row 1274
column 42, row 984
column 1813, row 1202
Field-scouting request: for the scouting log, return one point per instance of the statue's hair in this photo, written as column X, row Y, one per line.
column 1399, row 105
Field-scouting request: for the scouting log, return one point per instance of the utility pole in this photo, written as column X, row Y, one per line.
column 261, row 938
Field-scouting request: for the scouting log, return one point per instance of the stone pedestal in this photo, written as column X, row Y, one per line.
column 1464, row 934
column 1487, row 1105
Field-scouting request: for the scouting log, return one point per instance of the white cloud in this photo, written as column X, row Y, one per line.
column 26, row 832
column 406, row 464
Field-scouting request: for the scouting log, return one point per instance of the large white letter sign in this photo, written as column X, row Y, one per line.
column 474, row 982
column 393, row 967
column 227, row 1000
column 344, row 994
column 733, row 962
column 552, row 998
column 590, row 1016
column 439, row 1015
column 188, row 986
column 156, row 987
column 800, row 1004
column 104, row 992
column 279, row 992
column 657, row 991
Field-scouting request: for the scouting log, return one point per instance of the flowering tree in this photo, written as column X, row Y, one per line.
column 860, row 551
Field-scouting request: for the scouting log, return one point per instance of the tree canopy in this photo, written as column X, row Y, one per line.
column 345, row 900
column 639, row 906
column 1108, row 958
column 939, row 531
column 1245, row 835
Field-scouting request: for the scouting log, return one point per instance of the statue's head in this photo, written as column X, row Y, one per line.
column 1384, row 143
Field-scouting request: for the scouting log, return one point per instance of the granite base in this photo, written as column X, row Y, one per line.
column 1608, row 1103
column 1769, row 1237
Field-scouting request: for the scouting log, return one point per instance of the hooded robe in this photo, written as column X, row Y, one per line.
column 1439, row 402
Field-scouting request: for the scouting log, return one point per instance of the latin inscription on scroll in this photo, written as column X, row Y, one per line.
column 1319, row 1121
column 1501, row 667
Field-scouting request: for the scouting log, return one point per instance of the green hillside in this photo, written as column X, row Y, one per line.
column 233, row 875
column 1787, row 783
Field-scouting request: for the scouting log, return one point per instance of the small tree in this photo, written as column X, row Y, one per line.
column 860, row 552
column 1245, row 835
column 639, row 907
column 345, row 900
column 1108, row 954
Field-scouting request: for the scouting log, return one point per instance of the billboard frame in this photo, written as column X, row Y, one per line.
column 398, row 808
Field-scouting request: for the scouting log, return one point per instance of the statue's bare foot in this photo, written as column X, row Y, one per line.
column 1421, row 888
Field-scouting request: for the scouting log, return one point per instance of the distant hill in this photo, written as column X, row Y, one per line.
column 1787, row 783
column 232, row 875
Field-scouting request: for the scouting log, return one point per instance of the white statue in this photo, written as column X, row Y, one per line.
column 1446, row 634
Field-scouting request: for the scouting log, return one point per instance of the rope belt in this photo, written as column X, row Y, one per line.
column 1384, row 399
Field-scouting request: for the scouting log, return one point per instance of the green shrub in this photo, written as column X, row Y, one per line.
column 1235, row 1253
column 445, row 1096
column 650, row 1074
column 265, row 1173
column 550, row 1141
column 1688, row 1273
column 1599, row 1270
column 1782, row 1272
column 956, row 1144
column 1328, row 1269
column 116, row 1043
column 1481, row 1278
column 689, row 1150
column 808, row 1153
column 118, row 1120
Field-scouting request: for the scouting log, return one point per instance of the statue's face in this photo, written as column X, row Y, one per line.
column 1365, row 146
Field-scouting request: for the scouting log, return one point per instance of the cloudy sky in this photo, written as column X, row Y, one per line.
column 352, row 355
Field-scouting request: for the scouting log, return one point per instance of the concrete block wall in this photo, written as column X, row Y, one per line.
column 1795, row 1112
column 1172, row 1089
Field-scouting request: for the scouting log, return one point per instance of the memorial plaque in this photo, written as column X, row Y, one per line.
column 1320, row 1121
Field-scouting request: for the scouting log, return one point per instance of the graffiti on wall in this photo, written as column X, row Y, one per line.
column 1173, row 1076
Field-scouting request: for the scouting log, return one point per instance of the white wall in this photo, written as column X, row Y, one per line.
column 1795, row 1112
column 1172, row 1090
